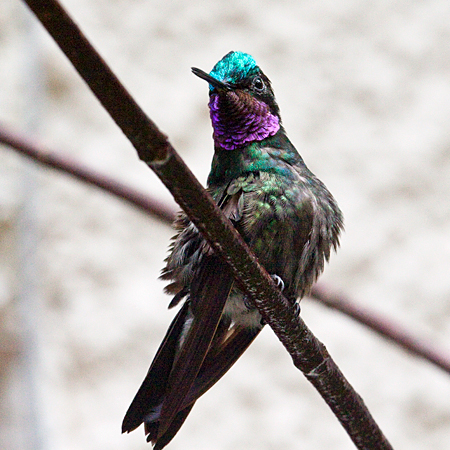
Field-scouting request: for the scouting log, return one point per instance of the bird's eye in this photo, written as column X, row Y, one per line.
column 258, row 84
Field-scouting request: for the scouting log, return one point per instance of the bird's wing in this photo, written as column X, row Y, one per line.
column 220, row 359
column 208, row 295
column 200, row 345
column 217, row 362
column 153, row 388
column 159, row 402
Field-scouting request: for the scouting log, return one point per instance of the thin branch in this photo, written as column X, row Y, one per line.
column 79, row 171
column 308, row 354
column 382, row 325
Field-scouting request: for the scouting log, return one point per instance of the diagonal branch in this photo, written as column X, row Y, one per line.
column 308, row 354
column 384, row 326
column 82, row 173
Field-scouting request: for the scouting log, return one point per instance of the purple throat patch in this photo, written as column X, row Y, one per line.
column 239, row 119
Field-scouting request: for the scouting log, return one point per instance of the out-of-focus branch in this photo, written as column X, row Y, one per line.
column 79, row 171
column 307, row 352
column 382, row 325
column 325, row 295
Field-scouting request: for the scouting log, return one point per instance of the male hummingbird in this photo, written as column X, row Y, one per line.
column 283, row 212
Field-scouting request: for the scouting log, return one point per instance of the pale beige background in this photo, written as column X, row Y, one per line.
column 364, row 91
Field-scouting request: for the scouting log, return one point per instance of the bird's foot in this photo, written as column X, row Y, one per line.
column 297, row 308
column 278, row 281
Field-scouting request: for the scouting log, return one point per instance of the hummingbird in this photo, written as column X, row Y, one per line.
column 283, row 212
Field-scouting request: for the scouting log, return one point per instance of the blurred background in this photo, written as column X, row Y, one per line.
column 364, row 92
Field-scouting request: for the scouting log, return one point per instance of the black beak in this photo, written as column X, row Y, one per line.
column 211, row 80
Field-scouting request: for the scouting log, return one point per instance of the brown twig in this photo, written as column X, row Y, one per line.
column 308, row 354
column 384, row 326
column 61, row 163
